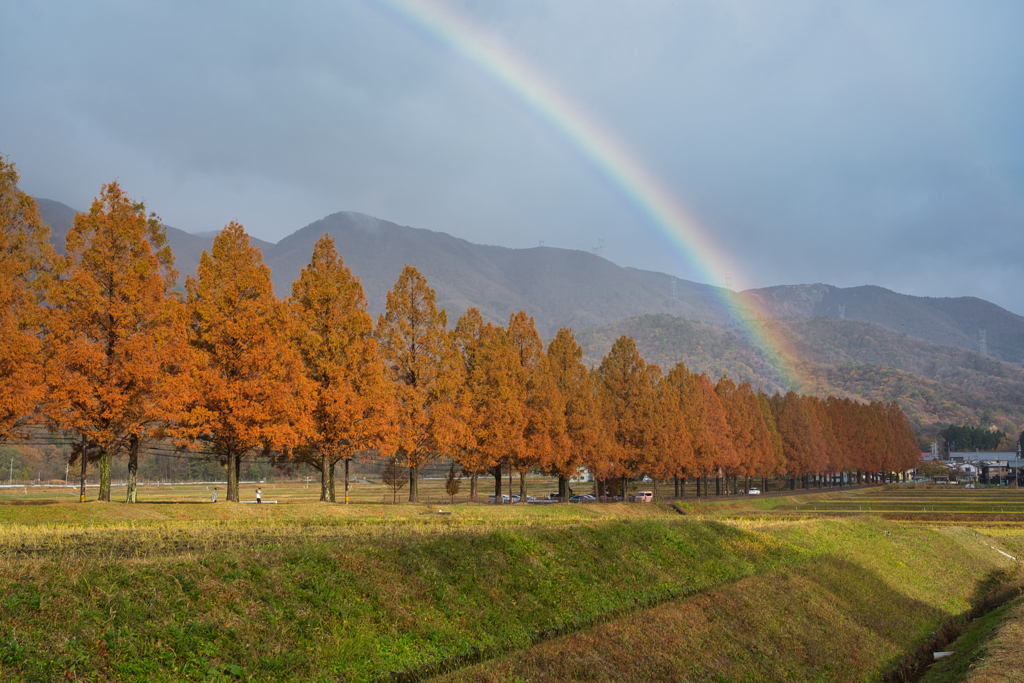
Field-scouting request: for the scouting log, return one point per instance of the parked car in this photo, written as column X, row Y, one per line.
column 754, row 492
column 582, row 498
column 504, row 498
column 644, row 497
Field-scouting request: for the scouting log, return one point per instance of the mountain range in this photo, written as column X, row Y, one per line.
column 954, row 351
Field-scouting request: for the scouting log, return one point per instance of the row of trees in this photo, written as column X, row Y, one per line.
column 98, row 344
column 966, row 438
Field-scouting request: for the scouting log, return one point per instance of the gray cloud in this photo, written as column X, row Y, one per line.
column 867, row 143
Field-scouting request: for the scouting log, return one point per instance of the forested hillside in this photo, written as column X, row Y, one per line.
column 936, row 385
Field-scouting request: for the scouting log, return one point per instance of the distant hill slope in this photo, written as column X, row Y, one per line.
column 936, row 385
column 949, row 321
column 581, row 290
column 556, row 286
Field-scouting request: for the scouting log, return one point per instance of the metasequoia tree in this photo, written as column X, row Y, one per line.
column 718, row 444
column 542, row 403
column 747, row 431
column 698, row 457
column 566, row 368
column 674, row 438
column 779, row 466
column 906, row 452
column 795, row 431
column 599, row 449
column 251, row 394
column 423, row 369
column 117, row 341
column 333, row 334
column 25, row 256
column 490, row 398
column 630, row 389
column 828, row 459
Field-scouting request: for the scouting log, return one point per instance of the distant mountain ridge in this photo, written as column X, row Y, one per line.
column 962, row 321
column 562, row 287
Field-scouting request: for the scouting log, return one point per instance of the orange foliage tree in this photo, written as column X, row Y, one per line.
column 333, row 334
column 424, row 371
column 250, row 391
column 717, row 445
column 491, row 396
column 630, row 389
column 778, row 467
column 542, row 403
column 25, row 256
column 599, row 449
column 117, row 339
column 570, row 375
column 795, row 433
column 747, row 431
column 674, row 438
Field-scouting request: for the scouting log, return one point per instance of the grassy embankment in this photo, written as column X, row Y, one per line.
column 989, row 650
column 310, row 592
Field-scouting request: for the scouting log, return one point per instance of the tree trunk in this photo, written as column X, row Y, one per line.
column 472, row 487
column 510, row 483
column 232, row 496
column 625, row 487
column 331, row 492
column 698, row 486
column 414, row 487
column 325, row 478
column 105, row 476
column 85, row 463
column 131, row 496
column 348, row 482
column 497, row 483
column 563, row 488
column 522, row 487
column 718, row 485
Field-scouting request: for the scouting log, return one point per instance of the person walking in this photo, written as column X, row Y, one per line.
column 259, row 496
column 214, row 495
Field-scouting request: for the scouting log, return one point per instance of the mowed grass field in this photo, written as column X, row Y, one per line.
column 803, row 587
column 361, row 491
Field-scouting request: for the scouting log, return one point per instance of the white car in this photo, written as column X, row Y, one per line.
column 754, row 492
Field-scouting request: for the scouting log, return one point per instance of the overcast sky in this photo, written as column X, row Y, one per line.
column 849, row 143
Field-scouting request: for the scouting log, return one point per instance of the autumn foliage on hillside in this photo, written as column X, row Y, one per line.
column 98, row 345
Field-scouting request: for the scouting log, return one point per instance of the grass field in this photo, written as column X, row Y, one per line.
column 362, row 491
column 802, row 587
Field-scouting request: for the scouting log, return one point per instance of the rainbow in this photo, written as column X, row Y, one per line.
column 611, row 158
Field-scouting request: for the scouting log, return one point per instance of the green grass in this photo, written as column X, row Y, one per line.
column 307, row 591
column 299, row 600
column 971, row 648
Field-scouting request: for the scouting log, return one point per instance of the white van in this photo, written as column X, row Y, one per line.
column 644, row 497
